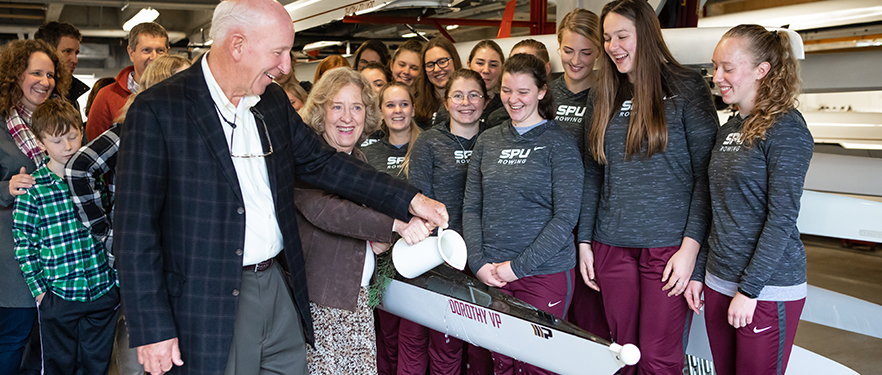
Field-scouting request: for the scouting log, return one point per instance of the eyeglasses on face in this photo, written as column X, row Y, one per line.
column 460, row 98
column 440, row 63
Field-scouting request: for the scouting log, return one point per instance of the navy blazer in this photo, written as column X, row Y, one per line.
column 180, row 219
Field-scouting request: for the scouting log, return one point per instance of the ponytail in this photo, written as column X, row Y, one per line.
column 778, row 91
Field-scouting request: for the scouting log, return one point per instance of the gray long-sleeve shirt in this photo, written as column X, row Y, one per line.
column 386, row 157
column 570, row 109
column 439, row 164
column 522, row 199
column 654, row 202
column 755, row 193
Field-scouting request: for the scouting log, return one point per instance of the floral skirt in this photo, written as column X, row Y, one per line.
column 345, row 341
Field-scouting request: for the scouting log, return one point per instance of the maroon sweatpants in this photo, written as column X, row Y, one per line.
column 586, row 310
column 762, row 347
column 386, row 325
column 551, row 293
column 638, row 310
column 420, row 348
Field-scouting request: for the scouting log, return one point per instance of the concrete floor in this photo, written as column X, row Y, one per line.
column 857, row 273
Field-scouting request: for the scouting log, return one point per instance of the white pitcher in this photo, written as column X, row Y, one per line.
column 414, row 260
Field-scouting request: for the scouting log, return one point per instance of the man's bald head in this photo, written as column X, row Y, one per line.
column 252, row 42
column 243, row 16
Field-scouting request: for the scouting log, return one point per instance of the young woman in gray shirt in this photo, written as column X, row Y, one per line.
column 646, row 208
column 753, row 271
column 522, row 199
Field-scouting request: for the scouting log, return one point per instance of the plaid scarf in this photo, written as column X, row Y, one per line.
column 21, row 133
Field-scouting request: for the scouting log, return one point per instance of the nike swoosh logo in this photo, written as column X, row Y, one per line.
column 539, row 148
column 556, row 303
column 761, row 330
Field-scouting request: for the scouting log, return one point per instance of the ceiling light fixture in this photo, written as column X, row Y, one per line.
column 144, row 15
column 320, row 45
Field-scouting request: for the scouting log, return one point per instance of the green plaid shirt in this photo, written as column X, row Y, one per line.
column 56, row 252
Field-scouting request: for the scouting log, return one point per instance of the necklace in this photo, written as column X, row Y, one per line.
column 457, row 137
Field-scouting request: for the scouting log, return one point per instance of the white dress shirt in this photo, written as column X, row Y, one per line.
column 263, row 238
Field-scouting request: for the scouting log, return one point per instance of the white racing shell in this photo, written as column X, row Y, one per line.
column 447, row 301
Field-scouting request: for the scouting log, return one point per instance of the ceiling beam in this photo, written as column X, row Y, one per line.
column 53, row 12
column 22, row 16
column 188, row 5
column 430, row 21
column 22, row 6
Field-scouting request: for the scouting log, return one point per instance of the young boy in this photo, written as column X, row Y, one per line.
column 65, row 268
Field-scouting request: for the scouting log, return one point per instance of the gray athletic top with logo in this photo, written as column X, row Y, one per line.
column 498, row 117
column 655, row 202
column 755, row 193
column 385, row 157
column 569, row 110
column 438, row 167
column 522, row 199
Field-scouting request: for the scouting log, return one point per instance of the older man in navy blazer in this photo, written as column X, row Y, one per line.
column 206, row 173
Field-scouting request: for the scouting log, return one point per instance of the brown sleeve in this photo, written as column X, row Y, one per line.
column 336, row 215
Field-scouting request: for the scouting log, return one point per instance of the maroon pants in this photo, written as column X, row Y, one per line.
column 386, row 325
column 638, row 310
column 420, row 348
column 551, row 293
column 762, row 347
column 586, row 310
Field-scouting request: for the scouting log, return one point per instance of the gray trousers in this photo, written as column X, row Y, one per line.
column 268, row 337
column 124, row 360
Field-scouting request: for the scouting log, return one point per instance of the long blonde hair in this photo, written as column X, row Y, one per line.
column 653, row 67
column 582, row 22
column 413, row 127
column 159, row 69
column 777, row 92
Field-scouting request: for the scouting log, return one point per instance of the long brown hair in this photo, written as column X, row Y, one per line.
column 777, row 92
column 491, row 45
column 14, row 59
column 653, row 66
column 373, row 45
column 427, row 102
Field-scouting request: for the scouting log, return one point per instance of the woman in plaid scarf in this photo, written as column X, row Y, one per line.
column 30, row 73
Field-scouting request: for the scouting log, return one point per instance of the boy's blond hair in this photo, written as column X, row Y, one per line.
column 53, row 118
